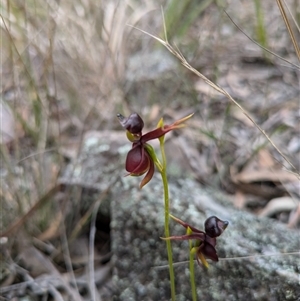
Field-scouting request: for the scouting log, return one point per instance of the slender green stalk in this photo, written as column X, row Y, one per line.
column 260, row 27
column 167, row 218
column 192, row 272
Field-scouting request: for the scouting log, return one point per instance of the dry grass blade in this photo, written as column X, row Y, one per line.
column 92, row 281
column 293, row 18
column 17, row 224
column 91, row 267
column 28, row 74
column 216, row 87
column 265, row 49
column 176, row 264
column 289, row 28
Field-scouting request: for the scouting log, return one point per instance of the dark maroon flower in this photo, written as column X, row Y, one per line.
column 141, row 158
column 205, row 241
column 139, row 161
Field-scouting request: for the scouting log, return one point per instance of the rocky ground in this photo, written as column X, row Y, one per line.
column 72, row 227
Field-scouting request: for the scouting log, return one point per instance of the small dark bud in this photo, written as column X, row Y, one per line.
column 133, row 124
column 214, row 227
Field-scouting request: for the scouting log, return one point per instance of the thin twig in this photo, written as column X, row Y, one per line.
column 264, row 48
column 175, row 264
column 288, row 26
column 293, row 18
column 55, row 293
column 92, row 282
column 93, row 213
column 68, row 262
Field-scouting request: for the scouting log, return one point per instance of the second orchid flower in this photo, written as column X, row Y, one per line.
column 205, row 241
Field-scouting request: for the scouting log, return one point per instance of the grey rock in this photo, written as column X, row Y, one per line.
column 251, row 266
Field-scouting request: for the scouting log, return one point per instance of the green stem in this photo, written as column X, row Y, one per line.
column 167, row 218
column 192, row 272
column 167, row 232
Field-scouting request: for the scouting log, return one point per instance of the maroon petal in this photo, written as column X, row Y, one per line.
column 208, row 251
column 211, row 240
column 137, row 161
column 199, row 236
column 185, row 225
column 150, row 172
column 157, row 133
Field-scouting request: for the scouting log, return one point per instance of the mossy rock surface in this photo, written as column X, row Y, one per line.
column 140, row 256
column 254, row 261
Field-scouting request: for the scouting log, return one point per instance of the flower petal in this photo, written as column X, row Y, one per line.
column 198, row 236
column 202, row 258
column 186, row 225
column 208, row 251
column 183, row 119
column 159, row 132
column 137, row 163
column 149, row 174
